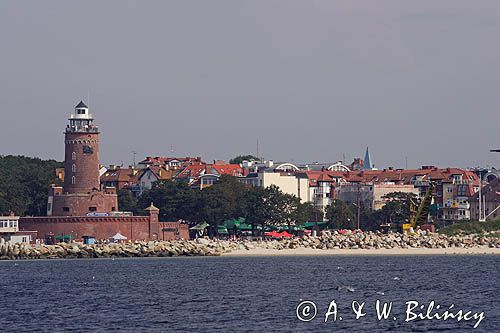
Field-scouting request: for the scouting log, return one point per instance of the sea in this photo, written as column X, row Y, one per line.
column 251, row 294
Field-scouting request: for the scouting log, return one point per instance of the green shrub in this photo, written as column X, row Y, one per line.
column 468, row 228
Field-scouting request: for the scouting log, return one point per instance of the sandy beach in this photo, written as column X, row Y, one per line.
column 256, row 252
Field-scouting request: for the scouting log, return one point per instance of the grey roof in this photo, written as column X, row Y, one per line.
column 81, row 105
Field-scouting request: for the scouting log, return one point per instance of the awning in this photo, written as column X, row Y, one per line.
column 310, row 225
column 199, row 226
column 245, row 226
column 274, row 234
column 65, row 237
column 230, row 224
column 295, row 227
column 222, row 230
column 119, row 236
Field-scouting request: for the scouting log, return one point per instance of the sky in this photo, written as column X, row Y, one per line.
column 308, row 80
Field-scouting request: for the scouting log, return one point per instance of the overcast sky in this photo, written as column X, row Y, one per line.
column 310, row 80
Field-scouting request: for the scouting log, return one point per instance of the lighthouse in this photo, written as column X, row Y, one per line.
column 81, row 194
column 81, row 162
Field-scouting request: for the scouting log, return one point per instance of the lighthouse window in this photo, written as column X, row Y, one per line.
column 73, row 156
column 73, row 180
column 73, row 168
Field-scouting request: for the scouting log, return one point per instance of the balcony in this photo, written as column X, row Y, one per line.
column 421, row 183
column 82, row 129
column 80, row 116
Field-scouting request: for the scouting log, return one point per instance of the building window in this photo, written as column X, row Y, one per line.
column 65, row 209
column 113, row 209
column 73, row 180
column 73, row 156
column 73, row 168
column 92, row 209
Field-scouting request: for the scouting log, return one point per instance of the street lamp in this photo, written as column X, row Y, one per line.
column 358, row 211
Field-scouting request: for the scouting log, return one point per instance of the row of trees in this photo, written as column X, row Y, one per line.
column 24, row 184
column 230, row 199
column 226, row 199
column 396, row 210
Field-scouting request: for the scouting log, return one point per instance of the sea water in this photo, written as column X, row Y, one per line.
column 250, row 294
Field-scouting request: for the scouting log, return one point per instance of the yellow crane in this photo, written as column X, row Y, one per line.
column 418, row 216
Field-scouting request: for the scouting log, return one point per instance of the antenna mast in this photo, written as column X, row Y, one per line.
column 258, row 157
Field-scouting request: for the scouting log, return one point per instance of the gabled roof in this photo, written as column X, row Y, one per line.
column 121, row 175
column 191, row 171
column 81, row 105
column 159, row 172
column 227, row 169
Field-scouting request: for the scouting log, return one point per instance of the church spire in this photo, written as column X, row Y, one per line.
column 367, row 164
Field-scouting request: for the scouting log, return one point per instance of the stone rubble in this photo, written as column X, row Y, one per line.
column 207, row 247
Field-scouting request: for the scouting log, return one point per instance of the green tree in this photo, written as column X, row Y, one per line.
column 255, row 207
column 222, row 201
column 25, row 183
column 279, row 208
column 239, row 159
column 397, row 207
column 176, row 200
column 308, row 212
column 127, row 202
column 340, row 216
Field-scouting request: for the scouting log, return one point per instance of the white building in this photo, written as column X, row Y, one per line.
column 9, row 230
column 9, row 224
column 294, row 184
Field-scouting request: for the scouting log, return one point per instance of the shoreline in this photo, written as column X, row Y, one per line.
column 351, row 244
column 263, row 252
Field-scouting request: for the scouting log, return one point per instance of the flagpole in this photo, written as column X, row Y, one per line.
column 479, row 197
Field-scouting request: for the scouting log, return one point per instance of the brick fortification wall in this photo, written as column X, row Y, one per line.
column 133, row 227
column 79, row 204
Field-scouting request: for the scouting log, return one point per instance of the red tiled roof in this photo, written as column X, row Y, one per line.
column 160, row 172
column 121, row 175
column 158, row 160
column 394, row 176
column 191, row 171
column 227, row 169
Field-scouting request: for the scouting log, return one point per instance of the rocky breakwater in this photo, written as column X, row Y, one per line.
column 377, row 240
column 206, row 247
column 200, row 247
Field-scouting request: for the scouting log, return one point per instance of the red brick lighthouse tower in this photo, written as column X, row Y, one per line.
column 81, row 163
column 81, row 194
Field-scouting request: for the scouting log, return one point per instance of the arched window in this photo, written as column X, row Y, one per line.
column 73, row 180
column 73, row 156
column 73, row 168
